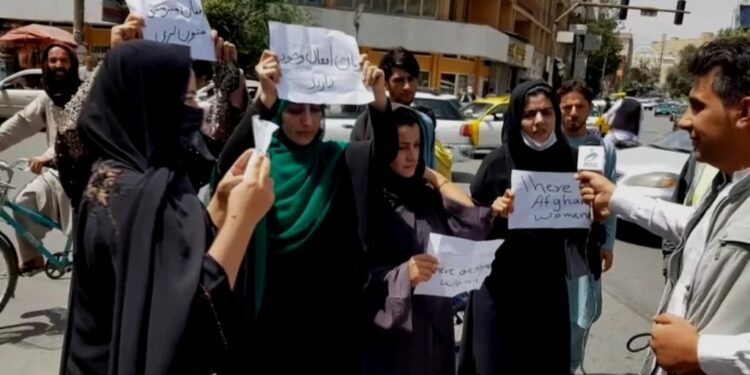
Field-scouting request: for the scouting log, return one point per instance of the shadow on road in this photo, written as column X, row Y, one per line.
column 17, row 333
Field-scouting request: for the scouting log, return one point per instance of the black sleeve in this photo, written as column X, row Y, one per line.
column 242, row 138
column 490, row 181
column 362, row 130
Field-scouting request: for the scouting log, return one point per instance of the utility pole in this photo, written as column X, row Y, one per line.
column 661, row 53
column 78, row 19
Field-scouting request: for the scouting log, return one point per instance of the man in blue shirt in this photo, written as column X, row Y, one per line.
column 584, row 288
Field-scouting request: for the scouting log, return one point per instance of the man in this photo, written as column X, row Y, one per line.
column 704, row 321
column 625, row 119
column 85, row 71
column 45, row 193
column 401, row 70
column 584, row 282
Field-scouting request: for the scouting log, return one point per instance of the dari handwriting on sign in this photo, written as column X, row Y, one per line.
column 463, row 265
column 547, row 200
column 318, row 66
column 181, row 22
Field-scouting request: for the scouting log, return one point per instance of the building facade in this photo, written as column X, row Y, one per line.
column 488, row 45
column 667, row 52
column 741, row 15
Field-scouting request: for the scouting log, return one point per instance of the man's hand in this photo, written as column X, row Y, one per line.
column 596, row 190
column 131, row 29
column 675, row 342
column 373, row 77
column 37, row 163
column 608, row 257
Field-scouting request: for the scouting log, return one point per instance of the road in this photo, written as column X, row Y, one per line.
column 33, row 323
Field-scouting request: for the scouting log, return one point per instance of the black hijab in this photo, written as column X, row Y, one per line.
column 60, row 90
column 132, row 123
column 409, row 189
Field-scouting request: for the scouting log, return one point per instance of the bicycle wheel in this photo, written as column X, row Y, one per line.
column 8, row 271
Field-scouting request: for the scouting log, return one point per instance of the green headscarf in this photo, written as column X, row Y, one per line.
column 305, row 183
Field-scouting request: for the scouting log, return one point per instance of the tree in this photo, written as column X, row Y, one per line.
column 245, row 23
column 609, row 53
column 679, row 80
column 734, row 32
column 643, row 78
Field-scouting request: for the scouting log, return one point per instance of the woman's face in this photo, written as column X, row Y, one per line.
column 409, row 147
column 301, row 122
column 538, row 118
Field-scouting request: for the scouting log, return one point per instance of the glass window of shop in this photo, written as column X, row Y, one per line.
column 456, row 84
column 424, row 79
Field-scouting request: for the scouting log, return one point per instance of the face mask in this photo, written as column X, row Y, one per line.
column 195, row 152
column 538, row 146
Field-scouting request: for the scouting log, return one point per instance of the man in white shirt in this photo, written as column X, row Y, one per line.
column 703, row 324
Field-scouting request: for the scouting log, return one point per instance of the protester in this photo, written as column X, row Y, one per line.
column 525, row 294
column 301, row 291
column 72, row 159
column 414, row 334
column 402, row 81
column 703, row 324
column 150, row 291
column 44, row 193
column 584, row 283
column 624, row 119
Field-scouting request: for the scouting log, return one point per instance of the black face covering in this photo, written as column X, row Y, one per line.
column 60, row 90
column 194, row 150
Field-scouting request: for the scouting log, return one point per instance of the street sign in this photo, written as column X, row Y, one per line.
column 649, row 12
column 579, row 29
column 565, row 37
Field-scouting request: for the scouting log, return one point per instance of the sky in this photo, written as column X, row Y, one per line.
column 706, row 16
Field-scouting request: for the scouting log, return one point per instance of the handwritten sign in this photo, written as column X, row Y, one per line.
column 463, row 265
column 547, row 200
column 318, row 66
column 181, row 22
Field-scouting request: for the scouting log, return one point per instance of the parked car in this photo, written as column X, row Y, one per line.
column 653, row 170
column 207, row 92
column 340, row 119
column 663, row 109
column 18, row 90
column 647, row 104
column 485, row 124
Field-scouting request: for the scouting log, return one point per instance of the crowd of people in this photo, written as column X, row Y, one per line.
column 307, row 255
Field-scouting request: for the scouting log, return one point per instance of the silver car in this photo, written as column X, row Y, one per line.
column 18, row 90
column 653, row 170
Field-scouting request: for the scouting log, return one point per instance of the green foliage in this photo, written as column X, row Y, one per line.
column 643, row 78
column 679, row 80
column 245, row 23
column 606, row 26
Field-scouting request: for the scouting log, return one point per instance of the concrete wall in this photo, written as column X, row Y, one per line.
column 417, row 34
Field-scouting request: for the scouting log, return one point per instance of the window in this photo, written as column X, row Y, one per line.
column 424, row 79
column 379, row 5
column 448, row 84
column 429, row 8
column 348, row 4
column 413, row 7
column 27, row 82
column 443, row 109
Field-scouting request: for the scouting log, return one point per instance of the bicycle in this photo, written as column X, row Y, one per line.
column 57, row 264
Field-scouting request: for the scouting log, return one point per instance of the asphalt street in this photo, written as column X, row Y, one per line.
column 33, row 323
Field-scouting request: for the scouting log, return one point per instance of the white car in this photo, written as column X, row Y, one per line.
column 653, row 170
column 18, row 90
column 207, row 92
column 648, row 104
column 340, row 119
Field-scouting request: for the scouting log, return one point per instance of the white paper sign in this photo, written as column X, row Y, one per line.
column 262, row 133
column 318, row 66
column 547, row 200
column 463, row 265
column 181, row 22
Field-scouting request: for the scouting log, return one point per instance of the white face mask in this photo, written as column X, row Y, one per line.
column 539, row 146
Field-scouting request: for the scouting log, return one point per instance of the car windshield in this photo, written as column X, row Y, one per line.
column 678, row 140
column 443, row 109
column 474, row 110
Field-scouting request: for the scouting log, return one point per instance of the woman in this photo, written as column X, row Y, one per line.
column 301, row 290
column 414, row 334
column 525, row 296
column 151, row 285
column 72, row 160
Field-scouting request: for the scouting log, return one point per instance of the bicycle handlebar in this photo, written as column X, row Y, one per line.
column 9, row 169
